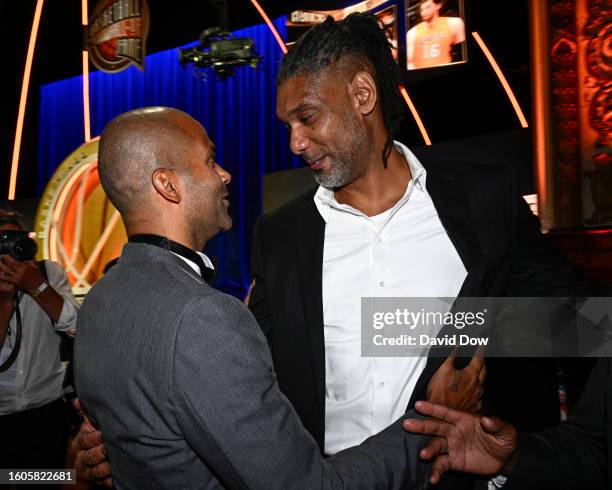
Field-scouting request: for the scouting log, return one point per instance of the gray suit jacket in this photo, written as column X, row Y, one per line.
column 179, row 378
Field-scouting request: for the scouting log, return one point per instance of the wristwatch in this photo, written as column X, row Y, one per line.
column 35, row 292
column 499, row 481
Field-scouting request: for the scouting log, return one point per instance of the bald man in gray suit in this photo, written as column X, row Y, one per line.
column 177, row 375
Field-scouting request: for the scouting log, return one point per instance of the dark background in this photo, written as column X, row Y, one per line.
column 458, row 102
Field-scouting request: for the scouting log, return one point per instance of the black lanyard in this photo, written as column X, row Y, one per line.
column 207, row 273
column 19, row 327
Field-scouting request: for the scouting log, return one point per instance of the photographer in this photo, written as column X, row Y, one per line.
column 35, row 304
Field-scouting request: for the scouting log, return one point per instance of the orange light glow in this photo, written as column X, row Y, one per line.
column 539, row 29
column 24, row 99
column 265, row 17
column 115, row 218
column 59, row 246
column 502, row 79
column 86, row 115
column 55, row 253
column 86, row 112
column 416, row 116
column 59, row 206
column 84, row 14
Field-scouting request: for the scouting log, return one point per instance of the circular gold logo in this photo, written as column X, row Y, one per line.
column 76, row 225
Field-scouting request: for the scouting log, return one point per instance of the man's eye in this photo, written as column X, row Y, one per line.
column 307, row 117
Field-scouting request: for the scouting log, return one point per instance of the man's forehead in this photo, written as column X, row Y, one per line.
column 193, row 129
column 203, row 139
column 303, row 89
column 291, row 93
column 297, row 84
column 319, row 77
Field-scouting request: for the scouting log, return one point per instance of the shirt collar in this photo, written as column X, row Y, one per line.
column 324, row 198
column 207, row 262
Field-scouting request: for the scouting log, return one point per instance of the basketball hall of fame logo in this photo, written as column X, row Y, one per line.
column 76, row 225
column 117, row 34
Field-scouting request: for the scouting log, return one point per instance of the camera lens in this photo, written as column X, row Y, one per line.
column 18, row 245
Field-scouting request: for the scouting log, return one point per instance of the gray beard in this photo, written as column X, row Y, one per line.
column 340, row 170
column 338, row 176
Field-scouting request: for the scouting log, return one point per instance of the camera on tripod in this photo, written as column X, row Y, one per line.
column 18, row 245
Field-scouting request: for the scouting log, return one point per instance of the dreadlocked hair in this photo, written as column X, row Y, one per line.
column 359, row 36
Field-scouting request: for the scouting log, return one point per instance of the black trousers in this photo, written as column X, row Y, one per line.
column 35, row 439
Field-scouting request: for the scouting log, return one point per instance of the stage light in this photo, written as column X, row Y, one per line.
column 273, row 29
column 502, row 79
column 415, row 115
column 25, row 85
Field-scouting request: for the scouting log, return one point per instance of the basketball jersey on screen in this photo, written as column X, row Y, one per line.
column 432, row 43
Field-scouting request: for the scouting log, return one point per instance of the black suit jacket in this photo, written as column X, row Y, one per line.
column 576, row 454
column 499, row 242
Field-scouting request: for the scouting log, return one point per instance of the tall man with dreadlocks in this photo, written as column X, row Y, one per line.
column 382, row 222
column 369, row 229
column 385, row 222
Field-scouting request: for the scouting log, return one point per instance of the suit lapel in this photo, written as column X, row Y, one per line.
column 451, row 203
column 453, row 209
column 310, row 236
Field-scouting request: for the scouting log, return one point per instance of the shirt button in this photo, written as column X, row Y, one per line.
column 381, row 385
column 379, row 239
column 381, row 284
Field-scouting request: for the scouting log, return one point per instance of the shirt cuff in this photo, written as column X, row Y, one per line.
column 498, row 481
column 68, row 317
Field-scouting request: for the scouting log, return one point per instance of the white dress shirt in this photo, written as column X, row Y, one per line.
column 37, row 375
column 402, row 252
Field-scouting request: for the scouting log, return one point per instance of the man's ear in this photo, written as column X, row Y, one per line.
column 165, row 182
column 364, row 93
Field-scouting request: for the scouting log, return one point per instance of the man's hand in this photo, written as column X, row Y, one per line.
column 26, row 276
column 458, row 388
column 7, row 292
column 464, row 441
column 91, row 462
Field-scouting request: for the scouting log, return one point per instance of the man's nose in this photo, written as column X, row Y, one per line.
column 226, row 177
column 298, row 143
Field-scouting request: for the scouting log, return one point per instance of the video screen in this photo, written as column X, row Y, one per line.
column 300, row 21
column 435, row 33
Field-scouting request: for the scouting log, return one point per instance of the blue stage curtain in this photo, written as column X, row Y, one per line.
column 239, row 114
